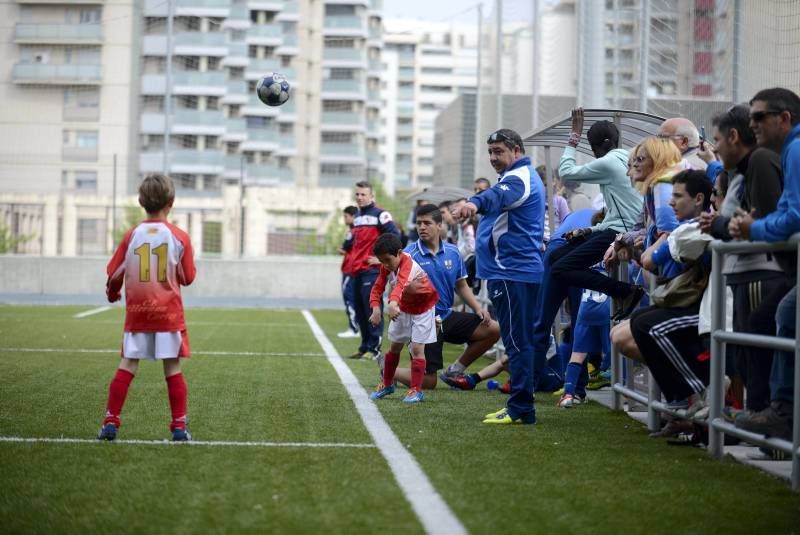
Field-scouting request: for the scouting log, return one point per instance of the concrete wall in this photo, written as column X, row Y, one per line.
column 303, row 277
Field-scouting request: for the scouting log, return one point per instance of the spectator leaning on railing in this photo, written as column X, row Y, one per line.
column 757, row 281
column 775, row 118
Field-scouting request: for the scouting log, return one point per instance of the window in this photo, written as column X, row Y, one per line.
column 89, row 15
column 213, row 63
column 86, row 139
column 86, row 180
column 90, row 236
column 258, row 122
column 212, row 103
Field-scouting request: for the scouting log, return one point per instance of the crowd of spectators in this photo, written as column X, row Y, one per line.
column 660, row 206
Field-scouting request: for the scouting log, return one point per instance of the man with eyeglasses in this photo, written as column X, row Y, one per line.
column 509, row 249
column 775, row 119
column 683, row 133
column 757, row 281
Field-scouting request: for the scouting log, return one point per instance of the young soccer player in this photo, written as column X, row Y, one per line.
column 412, row 304
column 153, row 260
column 592, row 328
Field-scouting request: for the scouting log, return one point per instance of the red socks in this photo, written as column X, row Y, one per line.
column 390, row 362
column 417, row 373
column 117, row 393
column 176, row 388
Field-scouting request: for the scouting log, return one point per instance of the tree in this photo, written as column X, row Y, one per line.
column 8, row 241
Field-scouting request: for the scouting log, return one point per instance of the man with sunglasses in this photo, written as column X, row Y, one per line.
column 683, row 133
column 775, row 119
column 509, row 249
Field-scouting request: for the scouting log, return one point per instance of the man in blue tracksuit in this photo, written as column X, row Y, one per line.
column 775, row 118
column 509, row 249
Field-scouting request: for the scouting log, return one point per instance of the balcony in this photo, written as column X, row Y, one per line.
column 258, row 67
column 48, row 74
column 339, row 87
column 238, row 17
column 290, row 11
column 183, row 121
column 200, row 44
column 235, row 129
column 80, row 34
column 345, row 25
column 268, row 174
column 79, row 154
column 265, row 34
column 405, row 147
column 208, row 162
column 344, row 55
column 261, row 139
column 405, row 130
column 237, row 55
column 345, row 151
column 205, row 82
column 352, row 119
column 331, row 180
column 235, row 92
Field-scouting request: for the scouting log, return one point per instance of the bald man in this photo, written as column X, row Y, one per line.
column 685, row 136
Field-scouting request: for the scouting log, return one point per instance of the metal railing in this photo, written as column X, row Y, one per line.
column 717, row 426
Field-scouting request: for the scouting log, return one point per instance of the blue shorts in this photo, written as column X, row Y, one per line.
column 591, row 339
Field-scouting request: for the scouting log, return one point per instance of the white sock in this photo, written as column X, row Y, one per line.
column 456, row 367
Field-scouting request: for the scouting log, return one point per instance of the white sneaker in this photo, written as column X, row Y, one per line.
column 348, row 334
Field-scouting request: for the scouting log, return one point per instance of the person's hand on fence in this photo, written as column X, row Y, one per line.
column 740, row 224
column 705, row 220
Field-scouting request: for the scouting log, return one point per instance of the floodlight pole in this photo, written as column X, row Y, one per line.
column 644, row 55
column 168, row 84
column 478, row 95
column 498, row 60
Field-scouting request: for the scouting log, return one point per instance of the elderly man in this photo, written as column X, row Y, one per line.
column 685, row 136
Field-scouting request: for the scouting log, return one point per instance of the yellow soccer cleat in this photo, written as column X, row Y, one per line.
column 503, row 418
column 495, row 413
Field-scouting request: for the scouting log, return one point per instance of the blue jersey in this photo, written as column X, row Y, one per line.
column 444, row 269
column 510, row 237
column 595, row 308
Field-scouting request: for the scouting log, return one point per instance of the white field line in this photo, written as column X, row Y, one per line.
column 92, row 312
column 116, row 351
column 209, row 443
column 432, row 511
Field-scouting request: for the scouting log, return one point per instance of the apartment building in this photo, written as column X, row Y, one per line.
column 218, row 131
column 428, row 65
column 65, row 83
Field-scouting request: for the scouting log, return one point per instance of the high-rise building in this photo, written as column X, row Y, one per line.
column 218, row 129
column 427, row 65
column 65, row 81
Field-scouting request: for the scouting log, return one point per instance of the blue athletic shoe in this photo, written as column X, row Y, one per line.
column 414, row 396
column 381, row 391
column 179, row 434
column 107, row 432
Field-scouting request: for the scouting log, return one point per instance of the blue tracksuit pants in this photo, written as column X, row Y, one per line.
column 515, row 307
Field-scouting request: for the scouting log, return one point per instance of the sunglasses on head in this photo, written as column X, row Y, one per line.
column 499, row 137
column 758, row 116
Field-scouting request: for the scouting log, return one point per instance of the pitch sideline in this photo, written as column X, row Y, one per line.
column 432, row 511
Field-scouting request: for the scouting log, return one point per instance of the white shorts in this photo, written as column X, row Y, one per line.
column 417, row 328
column 153, row 346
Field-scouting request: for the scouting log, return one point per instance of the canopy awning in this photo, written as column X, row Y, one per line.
column 437, row 194
column 633, row 126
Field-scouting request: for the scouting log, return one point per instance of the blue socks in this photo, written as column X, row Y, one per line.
column 571, row 377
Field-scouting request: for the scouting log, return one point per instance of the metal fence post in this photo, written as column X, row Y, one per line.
column 716, row 438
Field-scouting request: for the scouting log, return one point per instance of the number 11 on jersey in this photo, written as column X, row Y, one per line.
column 143, row 252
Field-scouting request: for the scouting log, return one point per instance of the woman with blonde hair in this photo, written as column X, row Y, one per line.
column 655, row 162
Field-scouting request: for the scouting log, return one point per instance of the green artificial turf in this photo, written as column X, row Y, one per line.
column 584, row 469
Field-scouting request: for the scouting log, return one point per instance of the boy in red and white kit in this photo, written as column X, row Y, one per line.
column 153, row 260
column 412, row 303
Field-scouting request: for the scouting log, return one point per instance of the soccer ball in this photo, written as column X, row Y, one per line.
column 273, row 89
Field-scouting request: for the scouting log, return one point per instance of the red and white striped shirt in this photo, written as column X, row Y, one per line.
column 413, row 291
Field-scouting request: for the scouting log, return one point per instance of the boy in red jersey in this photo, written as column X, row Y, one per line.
column 153, row 260
column 412, row 304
